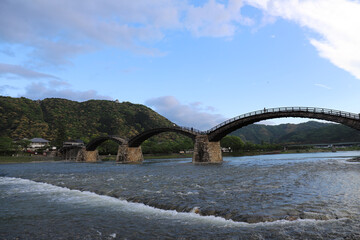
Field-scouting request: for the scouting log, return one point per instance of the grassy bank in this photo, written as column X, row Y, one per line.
column 310, row 150
column 34, row 158
column 26, row 159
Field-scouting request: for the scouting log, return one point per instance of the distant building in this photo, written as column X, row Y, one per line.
column 73, row 143
column 226, row 149
column 37, row 143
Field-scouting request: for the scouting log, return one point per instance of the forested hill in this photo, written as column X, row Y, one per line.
column 60, row 119
column 304, row 133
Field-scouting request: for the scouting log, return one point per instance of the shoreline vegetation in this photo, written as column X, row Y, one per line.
column 27, row 159
column 104, row 158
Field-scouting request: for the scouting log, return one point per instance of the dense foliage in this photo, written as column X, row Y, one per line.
column 235, row 144
column 161, row 146
column 60, row 119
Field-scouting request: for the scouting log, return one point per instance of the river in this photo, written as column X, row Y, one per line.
column 285, row 196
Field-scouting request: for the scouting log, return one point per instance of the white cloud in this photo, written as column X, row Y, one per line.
column 322, row 86
column 10, row 70
column 267, row 122
column 215, row 19
column 336, row 22
column 55, row 89
column 191, row 115
column 58, row 30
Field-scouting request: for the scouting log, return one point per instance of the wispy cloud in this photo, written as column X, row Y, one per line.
column 58, row 30
column 77, row 27
column 322, row 86
column 215, row 19
column 189, row 115
column 10, row 70
column 59, row 89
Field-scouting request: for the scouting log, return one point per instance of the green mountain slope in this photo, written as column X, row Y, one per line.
column 303, row 133
column 60, row 119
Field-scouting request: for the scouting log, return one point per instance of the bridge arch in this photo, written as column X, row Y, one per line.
column 137, row 140
column 349, row 119
column 94, row 143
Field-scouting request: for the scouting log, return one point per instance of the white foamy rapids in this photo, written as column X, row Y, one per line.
column 65, row 195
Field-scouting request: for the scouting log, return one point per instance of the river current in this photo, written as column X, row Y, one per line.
column 285, row 196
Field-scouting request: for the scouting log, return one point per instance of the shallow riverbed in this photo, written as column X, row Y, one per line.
column 286, row 196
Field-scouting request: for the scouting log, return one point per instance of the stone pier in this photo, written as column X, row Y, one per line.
column 206, row 151
column 87, row 156
column 70, row 154
column 128, row 154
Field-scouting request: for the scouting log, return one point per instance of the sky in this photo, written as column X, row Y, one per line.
column 195, row 62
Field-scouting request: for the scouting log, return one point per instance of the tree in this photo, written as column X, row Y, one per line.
column 108, row 147
column 7, row 146
column 24, row 143
column 61, row 135
column 232, row 142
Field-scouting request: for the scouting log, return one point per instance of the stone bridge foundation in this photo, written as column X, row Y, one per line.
column 128, row 154
column 206, row 151
column 70, row 154
column 87, row 156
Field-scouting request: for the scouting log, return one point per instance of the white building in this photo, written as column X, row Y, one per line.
column 37, row 143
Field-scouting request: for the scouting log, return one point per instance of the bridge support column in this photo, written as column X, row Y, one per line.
column 70, row 154
column 128, row 154
column 87, row 156
column 206, row 151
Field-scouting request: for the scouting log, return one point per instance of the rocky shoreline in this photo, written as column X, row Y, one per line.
column 354, row 159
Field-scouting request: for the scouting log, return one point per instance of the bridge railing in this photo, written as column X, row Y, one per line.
column 289, row 109
column 191, row 129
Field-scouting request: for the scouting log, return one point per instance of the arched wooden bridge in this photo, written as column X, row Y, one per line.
column 94, row 143
column 207, row 143
column 221, row 130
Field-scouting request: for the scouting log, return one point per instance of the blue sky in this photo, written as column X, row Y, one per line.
column 195, row 62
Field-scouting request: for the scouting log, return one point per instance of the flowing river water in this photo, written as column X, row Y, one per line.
column 285, row 196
